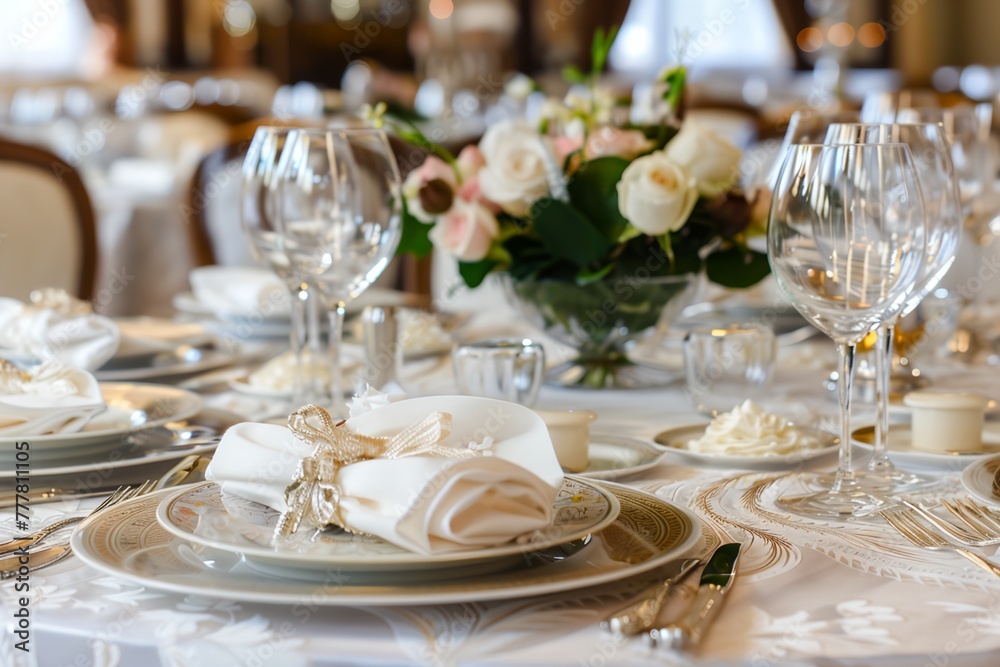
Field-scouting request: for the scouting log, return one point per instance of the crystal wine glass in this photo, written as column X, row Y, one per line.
column 846, row 243
column 942, row 208
column 261, row 224
column 339, row 192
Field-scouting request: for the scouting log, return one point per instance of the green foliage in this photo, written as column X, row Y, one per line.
column 736, row 267
column 414, row 239
column 566, row 234
column 593, row 191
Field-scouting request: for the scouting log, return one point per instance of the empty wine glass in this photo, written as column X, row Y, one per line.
column 260, row 214
column 942, row 209
column 846, row 240
column 341, row 219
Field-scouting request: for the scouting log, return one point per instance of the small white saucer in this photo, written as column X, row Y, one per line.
column 614, row 456
column 676, row 440
column 978, row 479
column 902, row 451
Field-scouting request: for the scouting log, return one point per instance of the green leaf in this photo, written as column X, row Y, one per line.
column 585, row 276
column 572, row 74
column 594, row 190
column 474, row 273
column 675, row 80
column 600, row 48
column 414, row 239
column 736, row 267
column 567, row 235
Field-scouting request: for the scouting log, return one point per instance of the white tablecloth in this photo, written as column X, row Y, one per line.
column 805, row 596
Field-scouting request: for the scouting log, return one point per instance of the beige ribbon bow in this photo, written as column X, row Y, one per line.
column 314, row 495
column 12, row 378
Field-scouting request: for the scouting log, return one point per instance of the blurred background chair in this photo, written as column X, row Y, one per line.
column 47, row 235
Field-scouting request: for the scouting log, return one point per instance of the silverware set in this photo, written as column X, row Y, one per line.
column 43, row 554
column 641, row 615
column 974, row 526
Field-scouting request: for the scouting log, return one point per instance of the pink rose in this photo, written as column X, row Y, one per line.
column 470, row 160
column 607, row 140
column 562, row 146
column 466, row 231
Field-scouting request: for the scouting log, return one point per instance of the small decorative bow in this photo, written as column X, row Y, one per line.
column 314, row 495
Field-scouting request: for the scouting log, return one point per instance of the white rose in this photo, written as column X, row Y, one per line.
column 712, row 160
column 656, row 195
column 466, row 231
column 516, row 171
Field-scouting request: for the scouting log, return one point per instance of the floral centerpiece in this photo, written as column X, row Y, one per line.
column 600, row 229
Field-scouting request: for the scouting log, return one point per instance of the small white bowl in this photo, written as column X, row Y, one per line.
column 570, row 433
column 946, row 421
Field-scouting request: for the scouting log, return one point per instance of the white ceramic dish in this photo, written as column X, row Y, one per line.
column 134, row 454
column 978, row 476
column 614, row 456
column 206, row 516
column 902, row 452
column 676, row 440
column 130, row 407
column 127, row 541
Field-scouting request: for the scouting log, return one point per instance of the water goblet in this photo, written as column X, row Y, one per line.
column 846, row 242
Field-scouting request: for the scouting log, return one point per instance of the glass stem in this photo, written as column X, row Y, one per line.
column 297, row 340
column 338, row 409
column 845, row 474
column 314, row 392
column 880, row 462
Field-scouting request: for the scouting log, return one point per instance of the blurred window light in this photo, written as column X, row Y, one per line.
column 714, row 34
column 177, row 95
column 238, row 18
column 946, row 79
column 977, row 82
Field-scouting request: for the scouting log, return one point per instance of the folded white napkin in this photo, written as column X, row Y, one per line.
column 240, row 290
column 421, row 503
column 56, row 326
column 50, row 398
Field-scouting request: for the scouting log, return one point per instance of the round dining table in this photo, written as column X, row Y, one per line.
column 807, row 592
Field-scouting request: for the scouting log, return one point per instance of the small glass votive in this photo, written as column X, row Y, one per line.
column 509, row 370
column 726, row 366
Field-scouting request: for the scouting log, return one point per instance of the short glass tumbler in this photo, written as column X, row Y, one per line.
column 725, row 367
column 509, row 370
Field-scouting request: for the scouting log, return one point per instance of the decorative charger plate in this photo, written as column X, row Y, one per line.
column 130, row 408
column 902, row 450
column 127, row 541
column 979, row 479
column 676, row 440
column 205, row 515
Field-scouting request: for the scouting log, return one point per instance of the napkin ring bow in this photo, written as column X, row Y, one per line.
column 314, row 495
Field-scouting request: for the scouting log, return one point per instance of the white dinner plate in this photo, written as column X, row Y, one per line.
column 977, row 478
column 676, row 440
column 130, row 408
column 205, row 515
column 171, row 364
column 186, row 302
column 902, row 451
column 614, row 456
column 127, row 541
column 151, row 335
column 197, row 434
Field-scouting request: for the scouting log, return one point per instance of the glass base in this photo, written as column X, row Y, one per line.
column 848, row 503
column 612, row 373
column 886, row 482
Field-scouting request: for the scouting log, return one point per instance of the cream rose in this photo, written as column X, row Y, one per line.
column 466, row 231
column 712, row 160
column 609, row 140
column 656, row 195
column 516, row 171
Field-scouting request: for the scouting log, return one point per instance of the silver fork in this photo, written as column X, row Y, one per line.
column 975, row 536
column 122, row 494
column 912, row 530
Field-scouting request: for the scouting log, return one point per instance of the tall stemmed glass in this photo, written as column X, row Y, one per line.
column 341, row 219
column 942, row 209
column 846, row 243
column 261, row 217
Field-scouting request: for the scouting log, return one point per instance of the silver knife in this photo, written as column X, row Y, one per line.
column 639, row 616
column 716, row 578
